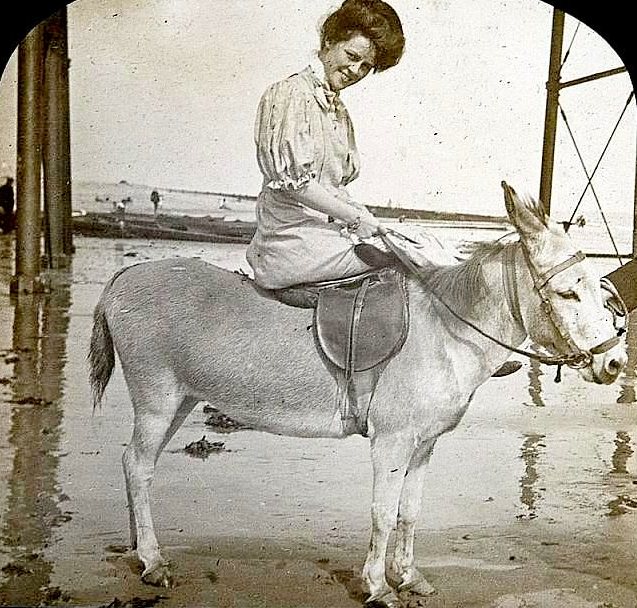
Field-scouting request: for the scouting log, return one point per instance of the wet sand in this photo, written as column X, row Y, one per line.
column 531, row 501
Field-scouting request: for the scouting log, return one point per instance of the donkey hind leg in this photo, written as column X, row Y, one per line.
column 410, row 580
column 390, row 456
column 153, row 428
column 185, row 408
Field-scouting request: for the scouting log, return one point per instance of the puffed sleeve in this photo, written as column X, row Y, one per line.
column 284, row 136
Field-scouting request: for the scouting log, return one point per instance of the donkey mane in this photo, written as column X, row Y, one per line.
column 536, row 207
column 463, row 284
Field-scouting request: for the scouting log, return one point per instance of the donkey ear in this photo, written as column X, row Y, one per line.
column 528, row 216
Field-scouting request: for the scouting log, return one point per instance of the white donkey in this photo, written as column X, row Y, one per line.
column 186, row 331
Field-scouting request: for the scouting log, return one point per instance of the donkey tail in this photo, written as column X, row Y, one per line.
column 101, row 355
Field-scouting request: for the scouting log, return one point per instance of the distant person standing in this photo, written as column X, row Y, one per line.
column 7, row 203
column 154, row 199
column 120, row 210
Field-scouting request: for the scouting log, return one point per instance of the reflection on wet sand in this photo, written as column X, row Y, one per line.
column 6, row 259
column 535, row 385
column 531, row 446
column 531, row 451
column 622, row 453
column 33, row 503
column 622, row 482
column 627, row 379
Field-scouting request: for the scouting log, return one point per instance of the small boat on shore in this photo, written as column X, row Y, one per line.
column 169, row 227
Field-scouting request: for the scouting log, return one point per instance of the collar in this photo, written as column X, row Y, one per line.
column 328, row 100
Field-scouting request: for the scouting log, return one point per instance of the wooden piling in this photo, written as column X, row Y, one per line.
column 550, row 116
column 28, row 170
column 635, row 212
column 56, row 143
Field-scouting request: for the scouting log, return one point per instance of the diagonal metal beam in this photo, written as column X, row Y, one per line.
column 597, row 76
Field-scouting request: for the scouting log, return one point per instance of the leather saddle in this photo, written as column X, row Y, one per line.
column 362, row 326
column 360, row 323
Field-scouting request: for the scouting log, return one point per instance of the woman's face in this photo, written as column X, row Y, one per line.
column 347, row 62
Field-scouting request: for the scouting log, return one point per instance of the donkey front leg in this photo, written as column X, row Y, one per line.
column 410, row 580
column 390, row 457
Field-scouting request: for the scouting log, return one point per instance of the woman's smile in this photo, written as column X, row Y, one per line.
column 348, row 61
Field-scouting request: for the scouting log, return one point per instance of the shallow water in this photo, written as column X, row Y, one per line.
column 535, row 490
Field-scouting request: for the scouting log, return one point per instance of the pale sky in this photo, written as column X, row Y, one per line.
column 164, row 93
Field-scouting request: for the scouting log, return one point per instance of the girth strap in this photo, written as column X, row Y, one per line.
column 352, row 338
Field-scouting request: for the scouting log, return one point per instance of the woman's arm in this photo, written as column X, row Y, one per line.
column 314, row 196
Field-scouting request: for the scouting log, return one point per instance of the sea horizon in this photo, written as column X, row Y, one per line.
column 99, row 197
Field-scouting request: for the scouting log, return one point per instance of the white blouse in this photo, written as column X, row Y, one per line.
column 303, row 132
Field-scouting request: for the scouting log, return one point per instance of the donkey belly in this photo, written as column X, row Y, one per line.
column 220, row 341
column 270, row 378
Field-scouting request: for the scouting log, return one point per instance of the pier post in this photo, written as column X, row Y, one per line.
column 56, row 143
column 635, row 213
column 28, row 170
column 550, row 116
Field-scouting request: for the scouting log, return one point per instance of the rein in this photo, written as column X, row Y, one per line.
column 576, row 359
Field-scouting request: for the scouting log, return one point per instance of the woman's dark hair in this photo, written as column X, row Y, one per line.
column 375, row 20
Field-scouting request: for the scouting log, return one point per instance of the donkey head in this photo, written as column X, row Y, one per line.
column 563, row 310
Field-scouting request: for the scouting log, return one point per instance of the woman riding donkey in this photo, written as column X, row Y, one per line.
column 307, row 154
column 309, row 229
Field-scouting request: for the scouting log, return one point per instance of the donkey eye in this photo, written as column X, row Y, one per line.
column 568, row 295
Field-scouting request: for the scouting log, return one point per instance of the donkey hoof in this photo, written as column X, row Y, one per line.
column 158, row 576
column 388, row 599
column 413, row 593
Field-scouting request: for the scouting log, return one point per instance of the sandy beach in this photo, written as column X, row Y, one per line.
column 530, row 502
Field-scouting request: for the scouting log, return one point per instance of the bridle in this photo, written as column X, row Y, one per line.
column 576, row 358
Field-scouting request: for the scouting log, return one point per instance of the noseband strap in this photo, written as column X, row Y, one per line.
column 542, row 279
column 605, row 346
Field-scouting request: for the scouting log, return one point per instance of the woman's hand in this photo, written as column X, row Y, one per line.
column 368, row 224
column 356, row 217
